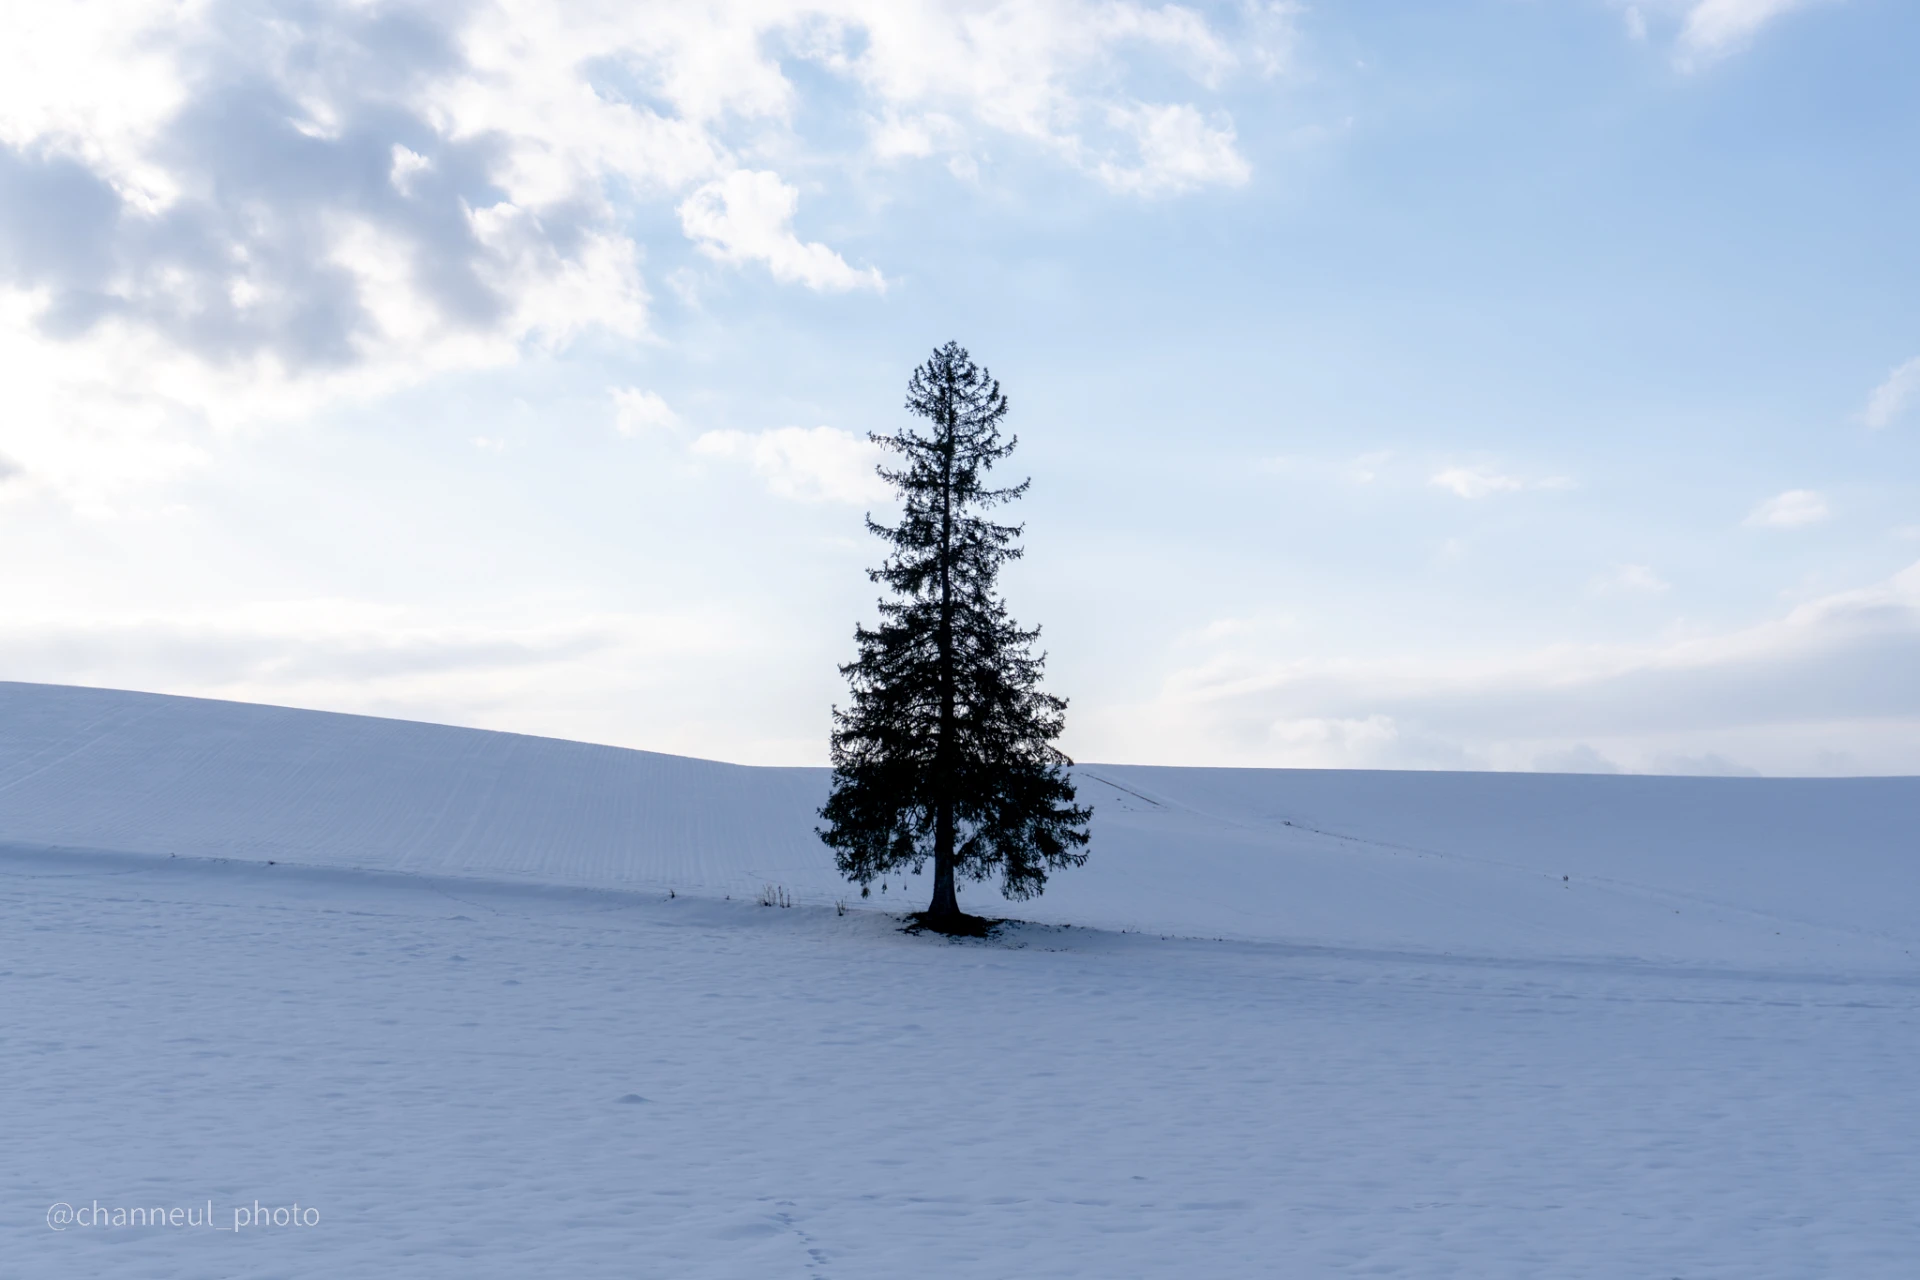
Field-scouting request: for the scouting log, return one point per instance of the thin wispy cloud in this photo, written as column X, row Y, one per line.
column 639, row 412
column 809, row 464
column 1893, row 397
column 1474, row 483
column 1633, row 579
column 1713, row 29
column 1179, row 150
column 1794, row 509
column 1705, row 31
column 1366, row 467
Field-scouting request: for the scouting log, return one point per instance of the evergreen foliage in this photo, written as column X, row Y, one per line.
column 947, row 749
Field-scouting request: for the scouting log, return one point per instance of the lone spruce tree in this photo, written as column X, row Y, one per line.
column 947, row 749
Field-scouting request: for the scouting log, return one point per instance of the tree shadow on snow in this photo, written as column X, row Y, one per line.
column 952, row 924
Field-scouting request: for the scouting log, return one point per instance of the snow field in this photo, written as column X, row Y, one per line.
column 429, row 983
column 439, row 1068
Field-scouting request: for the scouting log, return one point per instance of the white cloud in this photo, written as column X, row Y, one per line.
column 1179, row 149
column 818, row 464
column 1715, row 28
column 1632, row 577
column 214, row 215
column 638, row 412
column 1055, row 74
column 896, row 136
column 747, row 216
column 1892, row 398
column 1480, row 482
column 1793, row 509
column 92, row 81
column 406, row 164
column 1708, row 30
column 1272, row 38
column 1475, row 482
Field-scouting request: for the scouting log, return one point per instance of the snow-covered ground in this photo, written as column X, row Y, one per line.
column 459, row 1018
column 1718, row 870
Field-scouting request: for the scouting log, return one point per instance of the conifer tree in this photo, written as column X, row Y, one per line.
column 947, row 749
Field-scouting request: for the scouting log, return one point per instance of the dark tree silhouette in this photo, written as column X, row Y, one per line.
column 947, row 749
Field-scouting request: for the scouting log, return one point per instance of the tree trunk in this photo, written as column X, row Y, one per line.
column 945, row 904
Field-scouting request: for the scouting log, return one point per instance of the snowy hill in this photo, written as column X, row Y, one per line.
column 1790, row 871
column 1451, row 1039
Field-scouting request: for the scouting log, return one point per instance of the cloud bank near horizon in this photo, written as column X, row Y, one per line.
column 1832, row 687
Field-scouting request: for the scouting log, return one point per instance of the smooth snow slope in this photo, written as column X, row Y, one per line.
column 1790, row 871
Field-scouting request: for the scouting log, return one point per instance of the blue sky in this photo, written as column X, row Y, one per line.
column 1521, row 384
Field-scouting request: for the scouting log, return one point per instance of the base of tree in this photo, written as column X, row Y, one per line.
column 954, row 924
